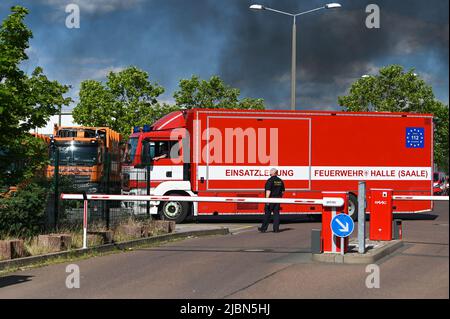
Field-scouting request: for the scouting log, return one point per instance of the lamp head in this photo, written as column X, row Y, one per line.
column 333, row 5
column 257, row 7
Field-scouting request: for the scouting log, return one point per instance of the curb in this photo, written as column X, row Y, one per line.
column 26, row 261
column 354, row 258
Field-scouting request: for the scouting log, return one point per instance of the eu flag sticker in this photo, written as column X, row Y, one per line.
column 415, row 137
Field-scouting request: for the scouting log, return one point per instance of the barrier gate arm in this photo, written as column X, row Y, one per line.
column 433, row 198
column 325, row 201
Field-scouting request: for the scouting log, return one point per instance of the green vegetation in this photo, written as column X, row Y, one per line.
column 127, row 99
column 26, row 101
column 22, row 159
column 22, row 215
column 212, row 93
column 395, row 90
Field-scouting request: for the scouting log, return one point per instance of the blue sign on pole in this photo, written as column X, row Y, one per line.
column 342, row 225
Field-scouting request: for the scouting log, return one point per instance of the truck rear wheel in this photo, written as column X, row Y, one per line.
column 353, row 206
column 176, row 211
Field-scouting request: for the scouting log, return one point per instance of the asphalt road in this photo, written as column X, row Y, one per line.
column 249, row 264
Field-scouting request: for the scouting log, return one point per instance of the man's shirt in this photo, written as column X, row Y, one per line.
column 276, row 187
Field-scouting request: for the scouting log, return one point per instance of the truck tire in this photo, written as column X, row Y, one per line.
column 353, row 206
column 176, row 211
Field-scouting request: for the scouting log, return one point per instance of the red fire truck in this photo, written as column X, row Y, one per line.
column 203, row 152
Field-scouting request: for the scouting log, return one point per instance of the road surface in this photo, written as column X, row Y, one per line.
column 249, row 264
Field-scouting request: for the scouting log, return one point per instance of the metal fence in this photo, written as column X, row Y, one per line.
column 93, row 178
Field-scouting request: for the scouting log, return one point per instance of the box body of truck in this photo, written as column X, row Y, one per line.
column 230, row 153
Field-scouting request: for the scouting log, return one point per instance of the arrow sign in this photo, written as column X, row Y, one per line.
column 342, row 225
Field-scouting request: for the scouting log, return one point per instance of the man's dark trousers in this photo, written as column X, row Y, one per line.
column 268, row 209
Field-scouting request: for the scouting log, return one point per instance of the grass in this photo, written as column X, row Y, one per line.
column 32, row 248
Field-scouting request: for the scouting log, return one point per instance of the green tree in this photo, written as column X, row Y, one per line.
column 212, row 93
column 26, row 101
column 24, row 159
column 397, row 90
column 23, row 215
column 127, row 99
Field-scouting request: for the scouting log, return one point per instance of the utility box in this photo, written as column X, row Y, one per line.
column 380, row 214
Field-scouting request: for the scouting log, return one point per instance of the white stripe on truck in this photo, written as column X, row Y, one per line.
column 216, row 172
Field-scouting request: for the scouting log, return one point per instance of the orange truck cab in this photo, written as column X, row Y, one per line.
column 91, row 155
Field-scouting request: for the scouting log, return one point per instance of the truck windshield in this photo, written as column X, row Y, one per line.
column 130, row 151
column 76, row 154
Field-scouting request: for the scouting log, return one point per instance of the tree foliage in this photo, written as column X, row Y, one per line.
column 212, row 93
column 127, row 99
column 22, row 215
column 396, row 90
column 23, row 159
column 26, row 102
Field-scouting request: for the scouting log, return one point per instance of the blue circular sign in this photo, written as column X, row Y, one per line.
column 342, row 225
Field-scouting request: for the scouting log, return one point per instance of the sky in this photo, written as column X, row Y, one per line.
column 175, row 39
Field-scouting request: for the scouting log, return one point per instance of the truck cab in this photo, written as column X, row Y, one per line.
column 89, row 155
column 154, row 153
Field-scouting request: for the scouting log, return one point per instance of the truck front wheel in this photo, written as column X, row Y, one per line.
column 176, row 211
column 353, row 206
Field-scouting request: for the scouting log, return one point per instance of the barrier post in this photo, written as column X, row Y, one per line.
column 361, row 217
column 330, row 242
column 85, row 213
column 381, row 214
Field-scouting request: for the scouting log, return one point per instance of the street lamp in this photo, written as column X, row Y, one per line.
column 259, row 7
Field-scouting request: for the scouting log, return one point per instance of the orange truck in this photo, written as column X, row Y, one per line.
column 91, row 155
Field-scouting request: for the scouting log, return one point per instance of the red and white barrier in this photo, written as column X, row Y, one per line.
column 381, row 211
column 432, row 198
column 85, row 214
column 325, row 201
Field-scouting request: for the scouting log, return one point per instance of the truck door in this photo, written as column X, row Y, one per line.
column 167, row 161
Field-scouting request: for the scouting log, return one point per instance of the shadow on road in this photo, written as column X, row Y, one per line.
column 297, row 219
column 13, row 280
column 415, row 216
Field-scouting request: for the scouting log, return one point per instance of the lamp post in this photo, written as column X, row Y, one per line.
column 258, row 7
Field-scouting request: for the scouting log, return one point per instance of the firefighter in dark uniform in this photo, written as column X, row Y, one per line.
column 274, row 189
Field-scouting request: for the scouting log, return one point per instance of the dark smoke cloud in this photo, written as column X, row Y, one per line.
column 334, row 47
column 173, row 39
